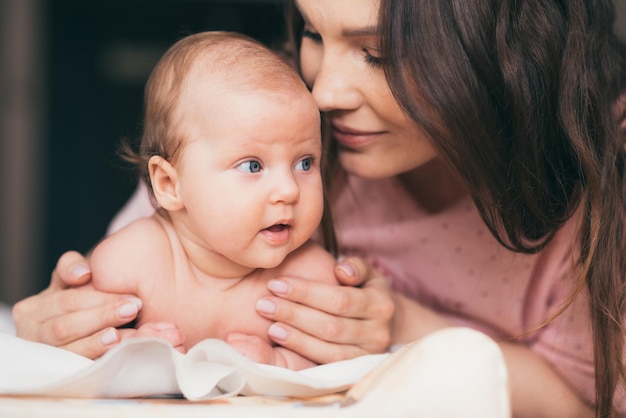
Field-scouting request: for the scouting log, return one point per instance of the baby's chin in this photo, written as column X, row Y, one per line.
column 270, row 263
column 274, row 258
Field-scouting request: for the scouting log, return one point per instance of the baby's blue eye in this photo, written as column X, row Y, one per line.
column 251, row 166
column 305, row 164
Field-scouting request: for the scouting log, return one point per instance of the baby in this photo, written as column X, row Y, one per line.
column 231, row 150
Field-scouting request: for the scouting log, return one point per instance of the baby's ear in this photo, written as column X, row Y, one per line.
column 164, row 180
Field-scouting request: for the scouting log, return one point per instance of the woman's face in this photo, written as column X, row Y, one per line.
column 340, row 62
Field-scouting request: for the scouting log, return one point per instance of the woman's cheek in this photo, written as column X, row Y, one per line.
column 309, row 65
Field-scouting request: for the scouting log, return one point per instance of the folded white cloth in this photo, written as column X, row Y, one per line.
column 150, row 367
column 452, row 372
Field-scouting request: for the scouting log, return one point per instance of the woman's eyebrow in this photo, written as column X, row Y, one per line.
column 349, row 32
column 356, row 32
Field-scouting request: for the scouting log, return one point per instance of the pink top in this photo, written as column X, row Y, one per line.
column 451, row 263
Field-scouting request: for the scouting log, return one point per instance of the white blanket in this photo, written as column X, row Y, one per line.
column 453, row 372
column 150, row 367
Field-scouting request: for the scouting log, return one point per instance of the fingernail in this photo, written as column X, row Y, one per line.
column 277, row 332
column 347, row 268
column 278, row 286
column 135, row 300
column 80, row 270
column 108, row 337
column 266, row 306
column 128, row 310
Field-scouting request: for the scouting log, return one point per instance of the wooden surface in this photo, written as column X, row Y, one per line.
column 240, row 407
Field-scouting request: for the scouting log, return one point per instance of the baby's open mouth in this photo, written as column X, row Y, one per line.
column 277, row 228
column 278, row 234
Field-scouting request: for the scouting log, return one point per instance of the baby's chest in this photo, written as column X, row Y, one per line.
column 205, row 312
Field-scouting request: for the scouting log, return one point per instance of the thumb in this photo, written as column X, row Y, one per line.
column 71, row 270
column 352, row 271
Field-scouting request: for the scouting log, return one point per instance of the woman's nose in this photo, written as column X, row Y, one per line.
column 334, row 88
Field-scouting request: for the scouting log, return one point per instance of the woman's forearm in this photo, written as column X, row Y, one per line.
column 536, row 390
column 413, row 321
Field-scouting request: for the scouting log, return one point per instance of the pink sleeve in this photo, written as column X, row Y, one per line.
column 138, row 206
column 566, row 342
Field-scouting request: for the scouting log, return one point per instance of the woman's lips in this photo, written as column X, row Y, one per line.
column 352, row 138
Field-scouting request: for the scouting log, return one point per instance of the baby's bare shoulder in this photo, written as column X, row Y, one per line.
column 132, row 253
column 310, row 261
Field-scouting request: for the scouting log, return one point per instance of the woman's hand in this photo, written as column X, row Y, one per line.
column 328, row 323
column 157, row 330
column 71, row 314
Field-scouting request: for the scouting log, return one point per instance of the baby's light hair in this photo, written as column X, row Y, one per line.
column 232, row 59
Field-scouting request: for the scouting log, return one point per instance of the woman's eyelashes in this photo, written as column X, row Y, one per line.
column 370, row 59
column 316, row 37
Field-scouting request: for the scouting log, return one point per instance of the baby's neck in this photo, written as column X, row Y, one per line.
column 204, row 263
column 210, row 265
column 219, row 279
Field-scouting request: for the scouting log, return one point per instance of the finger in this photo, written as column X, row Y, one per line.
column 57, row 318
column 95, row 345
column 317, row 323
column 369, row 302
column 80, row 299
column 317, row 350
column 71, row 270
column 63, row 329
column 163, row 330
column 352, row 271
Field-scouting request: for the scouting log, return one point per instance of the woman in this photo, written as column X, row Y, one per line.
column 482, row 177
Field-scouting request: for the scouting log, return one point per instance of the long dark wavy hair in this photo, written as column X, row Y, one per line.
column 528, row 89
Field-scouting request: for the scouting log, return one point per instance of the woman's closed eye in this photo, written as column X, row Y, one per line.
column 314, row 36
column 372, row 60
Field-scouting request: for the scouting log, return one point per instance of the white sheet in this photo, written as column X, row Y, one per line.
column 150, row 367
column 453, row 372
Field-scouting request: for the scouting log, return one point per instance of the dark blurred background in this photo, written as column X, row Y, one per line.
column 72, row 74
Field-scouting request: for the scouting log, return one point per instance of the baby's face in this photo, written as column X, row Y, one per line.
column 250, row 175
